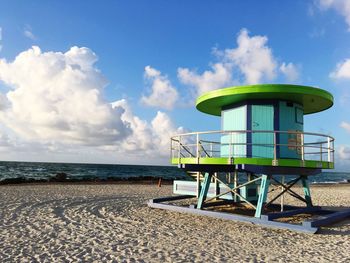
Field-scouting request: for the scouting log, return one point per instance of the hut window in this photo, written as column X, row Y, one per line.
column 299, row 116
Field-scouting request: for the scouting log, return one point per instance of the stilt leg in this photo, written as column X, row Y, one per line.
column 235, row 184
column 198, row 184
column 306, row 189
column 216, row 185
column 264, row 187
column 282, row 196
column 204, row 190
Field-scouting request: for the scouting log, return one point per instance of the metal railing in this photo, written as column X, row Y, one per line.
column 266, row 144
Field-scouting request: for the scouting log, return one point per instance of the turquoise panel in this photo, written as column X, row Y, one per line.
column 234, row 119
column 291, row 118
column 262, row 120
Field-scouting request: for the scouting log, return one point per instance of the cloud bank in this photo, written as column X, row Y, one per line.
column 342, row 70
column 56, row 102
column 345, row 125
column 251, row 62
column 58, row 96
column 162, row 93
column 340, row 6
column 344, row 152
column 147, row 138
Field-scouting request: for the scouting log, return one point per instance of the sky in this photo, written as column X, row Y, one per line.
column 112, row 81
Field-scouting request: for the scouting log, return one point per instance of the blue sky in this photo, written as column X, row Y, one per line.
column 132, row 50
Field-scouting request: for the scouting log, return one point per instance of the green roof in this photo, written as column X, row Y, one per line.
column 312, row 99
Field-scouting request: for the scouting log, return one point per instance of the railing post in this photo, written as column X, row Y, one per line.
column 321, row 151
column 179, row 152
column 197, row 143
column 230, row 145
column 211, row 150
column 197, row 150
column 235, row 184
column 198, row 184
column 171, row 148
column 274, row 146
column 329, row 149
column 282, row 196
column 302, row 147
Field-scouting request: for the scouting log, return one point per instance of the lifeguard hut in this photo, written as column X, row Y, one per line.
column 261, row 142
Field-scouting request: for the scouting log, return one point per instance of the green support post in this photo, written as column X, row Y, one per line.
column 204, row 190
column 306, row 189
column 264, row 187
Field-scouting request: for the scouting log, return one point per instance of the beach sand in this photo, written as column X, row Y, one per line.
column 112, row 223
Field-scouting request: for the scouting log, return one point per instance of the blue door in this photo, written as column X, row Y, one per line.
column 262, row 120
column 234, row 144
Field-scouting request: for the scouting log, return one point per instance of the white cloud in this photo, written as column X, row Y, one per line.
column 58, row 97
column 344, row 152
column 345, row 125
column 55, row 111
column 163, row 94
column 147, row 138
column 251, row 62
column 290, row 71
column 219, row 76
column 253, row 57
column 342, row 70
column 5, row 141
column 340, row 6
column 29, row 34
column 163, row 128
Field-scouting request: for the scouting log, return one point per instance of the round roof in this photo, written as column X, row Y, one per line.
column 312, row 99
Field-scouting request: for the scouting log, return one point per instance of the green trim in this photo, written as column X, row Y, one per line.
column 214, row 160
column 312, row 99
column 255, row 161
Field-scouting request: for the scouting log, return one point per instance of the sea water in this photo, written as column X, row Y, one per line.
column 45, row 171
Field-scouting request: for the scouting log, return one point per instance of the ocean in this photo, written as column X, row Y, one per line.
column 45, row 171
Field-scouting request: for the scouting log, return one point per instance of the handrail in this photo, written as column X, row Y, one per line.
column 253, row 131
column 187, row 150
column 207, row 154
column 196, row 145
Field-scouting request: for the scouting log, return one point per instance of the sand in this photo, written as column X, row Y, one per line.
column 112, row 223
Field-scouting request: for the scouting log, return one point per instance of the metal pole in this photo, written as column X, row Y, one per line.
column 230, row 145
column 274, row 146
column 249, row 175
column 235, row 184
column 329, row 149
column 179, row 150
column 197, row 152
column 302, row 147
column 216, row 184
column 198, row 184
column 171, row 148
column 282, row 196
